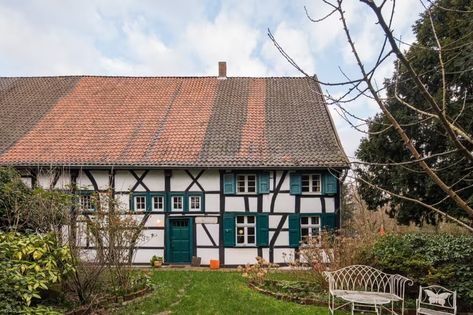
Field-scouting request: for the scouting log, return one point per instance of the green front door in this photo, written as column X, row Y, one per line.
column 180, row 240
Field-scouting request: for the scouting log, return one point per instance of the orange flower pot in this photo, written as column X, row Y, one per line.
column 214, row 264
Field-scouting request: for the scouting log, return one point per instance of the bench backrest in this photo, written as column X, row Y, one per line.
column 366, row 278
column 437, row 298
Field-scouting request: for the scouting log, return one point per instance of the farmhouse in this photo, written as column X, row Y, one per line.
column 225, row 168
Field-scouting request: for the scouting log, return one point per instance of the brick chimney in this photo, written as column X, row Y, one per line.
column 222, row 70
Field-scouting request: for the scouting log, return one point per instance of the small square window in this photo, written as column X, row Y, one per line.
column 86, row 202
column 177, row 203
column 311, row 183
column 246, row 230
column 310, row 227
column 140, row 203
column 246, row 183
column 240, row 219
column 195, row 203
column 158, row 203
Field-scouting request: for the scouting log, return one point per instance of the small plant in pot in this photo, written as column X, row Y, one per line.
column 156, row 261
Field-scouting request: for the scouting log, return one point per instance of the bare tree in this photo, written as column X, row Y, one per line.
column 365, row 86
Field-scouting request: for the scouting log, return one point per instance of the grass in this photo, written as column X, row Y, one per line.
column 211, row 292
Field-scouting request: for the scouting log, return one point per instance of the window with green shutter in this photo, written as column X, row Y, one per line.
column 140, row 201
column 294, row 230
column 295, row 184
column 229, row 184
column 262, row 228
column 229, row 235
column 263, row 183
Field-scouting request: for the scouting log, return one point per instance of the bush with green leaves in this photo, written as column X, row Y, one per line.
column 442, row 259
column 29, row 264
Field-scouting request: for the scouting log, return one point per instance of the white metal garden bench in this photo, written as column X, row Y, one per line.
column 365, row 288
column 436, row 300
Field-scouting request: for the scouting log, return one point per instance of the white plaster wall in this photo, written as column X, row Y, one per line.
column 274, row 221
column 152, row 238
column 311, row 205
column 285, row 184
column 330, row 205
column 212, row 202
column 207, row 254
column 153, row 220
column 64, row 181
column 144, row 255
column 253, row 204
column 44, row 180
column 209, row 180
column 83, row 181
column 123, row 200
column 240, row 256
column 180, row 180
column 267, row 202
column 88, row 254
column 102, row 178
column 234, row 204
column 279, row 257
column 124, row 181
column 283, row 239
column 154, row 180
column 202, row 237
column 266, row 253
column 284, row 203
column 28, row 181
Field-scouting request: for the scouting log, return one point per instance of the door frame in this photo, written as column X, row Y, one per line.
column 167, row 236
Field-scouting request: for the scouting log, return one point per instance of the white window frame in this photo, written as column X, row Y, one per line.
column 309, row 225
column 182, row 203
column 82, row 202
column 311, row 186
column 245, row 225
column 190, row 203
column 153, row 203
column 135, row 201
column 245, row 185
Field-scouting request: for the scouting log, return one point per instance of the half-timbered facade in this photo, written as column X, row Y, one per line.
column 215, row 167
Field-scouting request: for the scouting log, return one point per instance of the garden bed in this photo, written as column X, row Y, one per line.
column 301, row 292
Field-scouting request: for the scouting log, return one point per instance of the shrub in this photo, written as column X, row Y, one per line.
column 256, row 274
column 28, row 265
column 428, row 259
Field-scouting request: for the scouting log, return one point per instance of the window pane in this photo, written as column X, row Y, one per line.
column 305, row 220
column 240, row 219
column 315, row 183
column 240, row 239
column 305, row 183
column 315, row 231
column 315, row 220
column 251, row 189
column 251, row 219
column 251, row 231
column 241, row 187
column 251, row 239
column 251, row 178
column 240, row 231
column 304, row 232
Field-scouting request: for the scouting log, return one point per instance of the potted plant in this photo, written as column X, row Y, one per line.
column 156, row 261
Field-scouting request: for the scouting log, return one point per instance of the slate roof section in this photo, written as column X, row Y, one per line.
column 237, row 122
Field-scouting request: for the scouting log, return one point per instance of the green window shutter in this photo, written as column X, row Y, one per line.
column 132, row 202
column 329, row 184
column 294, row 230
column 229, row 184
column 229, row 230
column 262, row 229
column 295, row 184
column 185, row 202
column 329, row 221
column 263, row 183
column 148, row 201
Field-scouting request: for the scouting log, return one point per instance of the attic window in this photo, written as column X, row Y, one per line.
column 311, row 183
column 246, row 183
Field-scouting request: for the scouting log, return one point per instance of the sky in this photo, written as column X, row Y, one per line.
column 174, row 38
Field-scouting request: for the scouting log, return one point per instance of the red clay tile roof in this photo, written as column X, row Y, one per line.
column 166, row 122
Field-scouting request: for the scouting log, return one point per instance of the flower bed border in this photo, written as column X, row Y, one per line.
column 110, row 302
column 285, row 297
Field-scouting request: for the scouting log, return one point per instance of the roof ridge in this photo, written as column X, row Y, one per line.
column 147, row 77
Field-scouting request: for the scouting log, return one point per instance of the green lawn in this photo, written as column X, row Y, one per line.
column 210, row 292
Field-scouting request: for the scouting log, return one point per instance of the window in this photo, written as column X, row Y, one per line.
column 246, row 184
column 86, row 202
column 158, row 203
column 310, row 227
column 245, row 230
column 177, row 203
column 140, row 203
column 195, row 203
column 311, row 183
